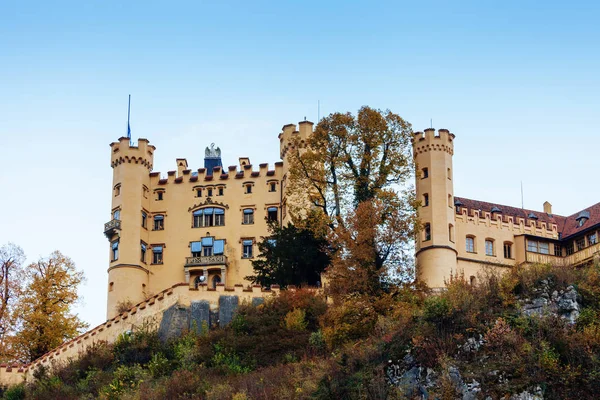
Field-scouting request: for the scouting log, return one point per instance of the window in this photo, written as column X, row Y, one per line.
column 220, row 192
column 538, row 247
column 489, row 247
column 473, row 280
column 208, row 217
column 117, row 189
column 581, row 221
column 272, row 213
column 248, row 216
column 209, row 193
column 580, row 243
column 115, row 250
column 449, row 175
column 198, row 192
column 143, row 252
column 272, row 187
column 557, row 250
column 425, row 173
column 427, row 232
column 117, row 214
column 470, row 244
column 159, row 195
column 247, row 249
column 507, row 250
column 207, row 246
column 157, row 255
column 248, row 188
column 451, row 232
column 570, row 249
column 159, row 222
column 425, row 200
column 450, row 201
column 144, row 219
column 216, row 280
column 111, row 286
column 145, row 191
column 592, row 239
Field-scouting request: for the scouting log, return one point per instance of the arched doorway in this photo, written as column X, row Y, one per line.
column 215, row 281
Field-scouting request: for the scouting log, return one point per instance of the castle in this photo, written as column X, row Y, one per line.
column 199, row 227
column 180, row 247
column 461, row 236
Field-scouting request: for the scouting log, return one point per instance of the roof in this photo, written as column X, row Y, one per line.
column 566, row 226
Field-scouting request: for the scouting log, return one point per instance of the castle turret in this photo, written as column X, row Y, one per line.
column 128, row 238
column 436, row 243
column 289, row 138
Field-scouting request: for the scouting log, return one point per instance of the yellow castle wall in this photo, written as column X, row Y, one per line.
column 133, row 279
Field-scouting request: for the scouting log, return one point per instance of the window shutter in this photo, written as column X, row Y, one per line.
column 207, row 242
column 196, row 247
column 219, row 247
column 248, row 211
column 198, row 212
column 247, row 242
column 158, row 217
column 219, row 211
column 157, row 249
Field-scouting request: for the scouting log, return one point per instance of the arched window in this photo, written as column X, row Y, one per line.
column 248, row 216
column 210, row 216
column 508, row 250
column 199, row 280
column 424, row 173
column 489, row 247
column 470, row 244
column 451, row 232
column 426, row 232
column 425, row 200
column 215, row 281
column 450, row 201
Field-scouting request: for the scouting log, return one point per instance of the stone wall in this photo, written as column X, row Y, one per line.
column 171, row 311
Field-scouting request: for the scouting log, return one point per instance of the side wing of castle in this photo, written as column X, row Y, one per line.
column 463, row 236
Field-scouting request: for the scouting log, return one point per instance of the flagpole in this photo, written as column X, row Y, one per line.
column 128, row 114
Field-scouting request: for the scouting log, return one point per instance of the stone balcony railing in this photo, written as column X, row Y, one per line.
column 205, row 261
column 111, row 227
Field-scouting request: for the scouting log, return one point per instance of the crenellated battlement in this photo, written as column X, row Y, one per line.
column 430, row 140
column 289, row 135
column 218, row 174
column 516, row 225
column 124, row 153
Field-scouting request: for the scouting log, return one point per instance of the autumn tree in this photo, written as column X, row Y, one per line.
column 44, row 312
column 11, row 260
column 356, row 169
column 291, row 255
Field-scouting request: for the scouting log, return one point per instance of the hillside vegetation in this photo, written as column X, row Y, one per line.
column 467, row 342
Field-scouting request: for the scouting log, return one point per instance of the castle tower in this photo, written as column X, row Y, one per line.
column 128, row 237
column 289, row 138
column 436, row 244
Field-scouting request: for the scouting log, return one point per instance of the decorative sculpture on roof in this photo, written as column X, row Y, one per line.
column 212, row 152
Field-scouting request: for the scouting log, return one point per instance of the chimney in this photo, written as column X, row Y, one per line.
column 547, row 208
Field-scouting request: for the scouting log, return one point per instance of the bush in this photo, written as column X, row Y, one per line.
column 16, row 392
column 295, row 320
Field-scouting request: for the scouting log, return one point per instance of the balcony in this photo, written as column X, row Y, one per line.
column 111, row 227
column 579, row 257
column 204, row 261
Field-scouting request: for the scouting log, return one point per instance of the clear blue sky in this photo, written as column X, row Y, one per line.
column 517, row 82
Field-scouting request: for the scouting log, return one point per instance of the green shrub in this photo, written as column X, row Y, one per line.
column 16, row 392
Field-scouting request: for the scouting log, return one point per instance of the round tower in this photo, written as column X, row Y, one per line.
column 127, row 272
column 436, row 243
column 289, row 138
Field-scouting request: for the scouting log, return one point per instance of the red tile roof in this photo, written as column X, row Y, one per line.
column 566, row 226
